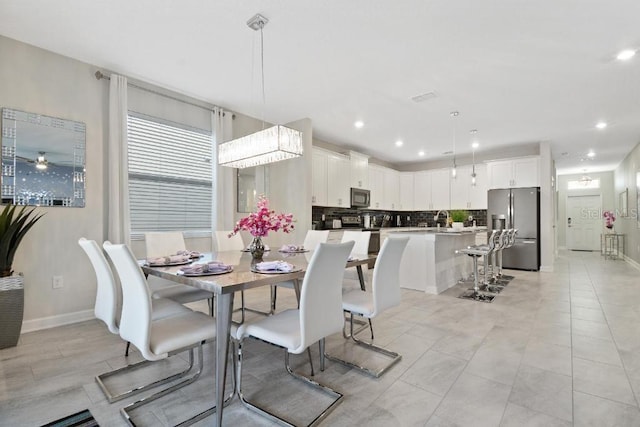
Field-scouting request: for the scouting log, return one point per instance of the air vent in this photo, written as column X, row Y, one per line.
column 424, row 97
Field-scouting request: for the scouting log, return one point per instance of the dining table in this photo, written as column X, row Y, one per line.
column 243, row 276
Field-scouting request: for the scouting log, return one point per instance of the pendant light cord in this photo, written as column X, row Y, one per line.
column 264, row 98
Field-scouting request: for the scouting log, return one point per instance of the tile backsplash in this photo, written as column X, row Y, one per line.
column 407, row 219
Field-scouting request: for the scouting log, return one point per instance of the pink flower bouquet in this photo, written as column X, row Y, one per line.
column 609, row 219
column 261, row 222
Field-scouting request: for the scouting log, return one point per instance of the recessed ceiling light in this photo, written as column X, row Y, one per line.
column 601, row 125
column 591, row 154
column 625, row 55
column 399, row 143
column 475, row 145
column 359, row 124
column 421, row 153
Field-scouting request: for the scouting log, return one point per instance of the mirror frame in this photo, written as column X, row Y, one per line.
column 74, row 131
column 622, row 201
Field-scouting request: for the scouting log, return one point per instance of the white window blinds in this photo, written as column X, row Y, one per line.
column 170, row 175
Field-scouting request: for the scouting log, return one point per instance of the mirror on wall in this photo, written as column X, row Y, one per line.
column 43, row 160
column 622, row 203
column 251, row 183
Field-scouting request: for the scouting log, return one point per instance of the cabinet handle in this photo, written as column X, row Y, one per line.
column 313, row 199
column 339, row 201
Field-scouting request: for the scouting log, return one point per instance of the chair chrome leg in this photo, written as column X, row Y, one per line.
column 279, row 419
column 395, row 357
column 126, row 351
column 114, row 398
column 311, row 361
column 321, row 348
column 202, row 415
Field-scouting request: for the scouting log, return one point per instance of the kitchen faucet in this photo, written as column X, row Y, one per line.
column 435, row 217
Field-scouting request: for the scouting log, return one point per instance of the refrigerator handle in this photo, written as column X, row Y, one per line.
column 511, row 213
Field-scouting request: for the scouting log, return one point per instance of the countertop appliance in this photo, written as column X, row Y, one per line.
column 360, row 198
column 352, row 221
column 517, row 208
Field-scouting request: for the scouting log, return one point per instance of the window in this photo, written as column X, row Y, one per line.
column 170, row 176
column 583, row 184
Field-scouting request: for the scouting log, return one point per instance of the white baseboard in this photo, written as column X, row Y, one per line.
column 633, row 263
column 59, row 320
column 546, row 268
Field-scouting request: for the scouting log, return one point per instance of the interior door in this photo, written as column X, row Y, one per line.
column 583, row 223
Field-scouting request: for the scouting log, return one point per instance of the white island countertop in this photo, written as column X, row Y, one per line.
column 429, row 262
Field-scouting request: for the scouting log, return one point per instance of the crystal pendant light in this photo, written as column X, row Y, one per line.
column 267, row 145
column 454, row 171
column 474, row 145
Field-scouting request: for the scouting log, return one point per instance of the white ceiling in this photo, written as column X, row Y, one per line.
column 519, row 71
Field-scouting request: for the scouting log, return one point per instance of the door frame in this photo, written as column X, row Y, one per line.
column 566, row 210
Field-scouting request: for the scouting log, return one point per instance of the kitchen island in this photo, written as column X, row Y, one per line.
column 429, row 262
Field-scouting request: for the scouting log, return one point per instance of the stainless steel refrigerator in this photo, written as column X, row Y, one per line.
column 517, row 208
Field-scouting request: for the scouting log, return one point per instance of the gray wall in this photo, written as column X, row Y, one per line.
column 625, row 177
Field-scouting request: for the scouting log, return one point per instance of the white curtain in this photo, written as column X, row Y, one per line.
column 223, row 177
column 117, row 165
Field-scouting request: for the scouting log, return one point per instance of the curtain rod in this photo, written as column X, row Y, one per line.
column 100, row 75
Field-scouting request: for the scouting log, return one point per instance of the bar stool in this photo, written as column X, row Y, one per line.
column 476, row 252
column 491, row 283
column 503, row 279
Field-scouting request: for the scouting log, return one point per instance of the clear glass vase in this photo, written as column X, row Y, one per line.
column 256, row 247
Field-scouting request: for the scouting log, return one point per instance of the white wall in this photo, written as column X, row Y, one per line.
column 625, row 177
column 42, row 82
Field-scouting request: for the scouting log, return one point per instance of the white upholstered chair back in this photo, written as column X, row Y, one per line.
column 108, row 295
column 361, row 239
column 321, row 294
column 135, row 322
column 386, row 284
column 163, row 243
column 314, row 238
column 225, row 243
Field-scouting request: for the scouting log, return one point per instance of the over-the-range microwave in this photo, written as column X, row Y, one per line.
column 360, row 198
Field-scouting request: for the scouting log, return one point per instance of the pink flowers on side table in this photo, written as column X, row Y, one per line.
column 609, row 219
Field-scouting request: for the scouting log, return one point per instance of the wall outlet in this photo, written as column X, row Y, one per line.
column 57, row 282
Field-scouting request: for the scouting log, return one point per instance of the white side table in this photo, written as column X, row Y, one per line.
column 613, row 245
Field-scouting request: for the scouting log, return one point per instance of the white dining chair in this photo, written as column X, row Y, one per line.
column 163, row 243
column 319, row 315
column 312, row 239
column 235, row 243
column 385, row 294
column 108, row 308
column 361, row 239
column 157, row 339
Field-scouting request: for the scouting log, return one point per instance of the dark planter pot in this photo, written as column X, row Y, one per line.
column 11, row 310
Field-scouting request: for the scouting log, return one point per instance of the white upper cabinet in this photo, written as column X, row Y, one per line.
column 422, row 191
column 513, row 173
column 391, row 189
column 431, row 189
column 319, row 178
column 376, row 186
column 406, row 191
column 359, row 170
column 338, row 174
column 466, row 196
column 440, row 193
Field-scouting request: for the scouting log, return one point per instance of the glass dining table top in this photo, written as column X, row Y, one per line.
column 242, row 277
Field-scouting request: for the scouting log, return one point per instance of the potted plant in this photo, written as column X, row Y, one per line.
column 14, row 224
column 458, row 217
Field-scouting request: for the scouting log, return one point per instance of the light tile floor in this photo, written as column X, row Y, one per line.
column 553, row 349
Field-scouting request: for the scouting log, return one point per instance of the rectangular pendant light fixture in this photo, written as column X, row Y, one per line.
column 266, row 146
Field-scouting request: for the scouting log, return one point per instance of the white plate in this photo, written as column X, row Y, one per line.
column 169, row 264
column 295, row 270
column 208, row 273
column 294, row 252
